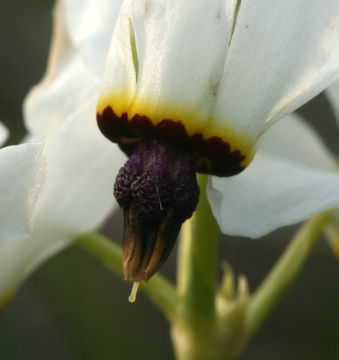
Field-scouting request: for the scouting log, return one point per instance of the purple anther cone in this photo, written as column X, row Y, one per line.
column 158, row 191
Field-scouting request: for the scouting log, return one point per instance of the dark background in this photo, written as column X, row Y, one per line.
column 74, row 308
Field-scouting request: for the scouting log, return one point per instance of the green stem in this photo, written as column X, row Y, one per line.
column 197, row 333
column 160, row 291
column 284, row 272
column 197, row 260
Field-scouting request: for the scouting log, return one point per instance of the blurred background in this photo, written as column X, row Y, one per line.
column 74, row 308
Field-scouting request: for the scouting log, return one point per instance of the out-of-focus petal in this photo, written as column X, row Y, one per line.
column 333, row 95
column 296, row 141
column 3, row 133
column 291, row 178
column 90, row 24
column 22, row 176
column 66, row 85
column 280, row 57
column 69, row 89
column 81, row 167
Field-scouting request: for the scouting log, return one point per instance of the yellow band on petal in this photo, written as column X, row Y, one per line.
column 220, row 151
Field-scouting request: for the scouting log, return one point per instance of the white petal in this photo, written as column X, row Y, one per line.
column 280, row 56
column 179, row 52
column 277, row 189
column 66, row 85
column 189, row 51
column 81, row 165
column 90, row 24
column 295, row 140
column 71, row 87
column 119, row 71
column 333, row 96
column 3, row 133
column 77, row 197
column 163, row 70
column 22, row 175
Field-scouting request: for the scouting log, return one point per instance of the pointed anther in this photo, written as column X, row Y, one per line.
column 158, row 191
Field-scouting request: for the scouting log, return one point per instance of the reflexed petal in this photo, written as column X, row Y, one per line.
column 280, row 57
column 22, row 175
column 90, row 24
column 278, row 188
column 66, row 84
column 333, row 96
column 167, row 76
column 190, row 52
column 3, row 133
column 120, row 73
column 177, row 61
column 77, row 195
column 163, row 70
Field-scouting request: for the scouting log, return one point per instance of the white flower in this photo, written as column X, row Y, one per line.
column 222, row 71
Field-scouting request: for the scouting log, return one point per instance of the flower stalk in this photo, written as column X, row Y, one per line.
column 196, row 331
column 206, row 322
column 284, row 273
column 197, row 261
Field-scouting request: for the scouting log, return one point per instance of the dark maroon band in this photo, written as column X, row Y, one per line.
column 213, row 156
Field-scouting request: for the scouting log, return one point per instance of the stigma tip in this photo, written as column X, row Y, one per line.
column 134, row 291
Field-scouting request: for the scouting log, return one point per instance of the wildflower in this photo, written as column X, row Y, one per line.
column 194, row 85
column 222, row 71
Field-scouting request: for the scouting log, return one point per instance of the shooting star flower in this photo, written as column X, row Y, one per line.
column 194, row 83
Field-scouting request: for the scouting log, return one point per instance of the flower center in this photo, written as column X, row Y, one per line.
column 213, row 154
column 158, row 191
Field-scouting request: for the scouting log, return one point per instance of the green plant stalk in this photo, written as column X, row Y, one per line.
column 197, row 333
column 197, row 261
column 286, row 270
column 160, row 291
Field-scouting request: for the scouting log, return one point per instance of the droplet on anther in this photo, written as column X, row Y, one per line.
column 134, row 291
